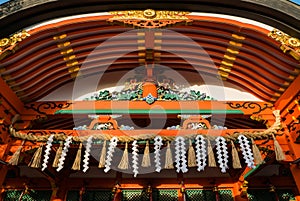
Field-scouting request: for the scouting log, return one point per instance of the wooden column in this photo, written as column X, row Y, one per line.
column 295, row 169
column 237, row 192
column 62, row 185
column 3, row 172
column 3, row 150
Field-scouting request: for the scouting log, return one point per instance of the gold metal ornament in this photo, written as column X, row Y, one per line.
column 149, row 18
column 17, row 37
column 149, row 13
column 9, row 43
column 289, row 44
column 294, row 42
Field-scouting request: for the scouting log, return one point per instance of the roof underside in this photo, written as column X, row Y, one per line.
column 60, row 53
column 16, row 14
column 52, row 56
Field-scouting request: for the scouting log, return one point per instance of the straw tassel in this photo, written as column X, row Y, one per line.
column 124, row 165
column 211, row 156
column 236, row 163
column 146, row 158
column 57, row 156
column 256, row 153
column 278, row 150
column 76, row 164
column 191, row 155
column 15, row 158
column 102, row 156
column 169, row 158
column 36, row 159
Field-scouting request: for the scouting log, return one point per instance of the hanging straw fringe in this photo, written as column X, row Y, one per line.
column 191, row 155
column 256, row 153
column 102, row 156
column 15, row 118
column 236, row 163
column 76, row 164
column 36, row 159
column 278, row 150
column 124, row 165
column 169, row 158
column 211, row 156
column 57, row 156
column 15, row 158
column 146, row 158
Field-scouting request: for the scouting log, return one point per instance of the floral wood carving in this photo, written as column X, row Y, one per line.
column 9, row 43
column 288, row 44
column 149, row 18
column 257, row 108
column 41, row 108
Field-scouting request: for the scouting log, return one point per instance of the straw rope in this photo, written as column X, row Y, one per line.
column 62, row 137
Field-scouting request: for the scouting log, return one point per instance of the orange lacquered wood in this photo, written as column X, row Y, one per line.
column 149, row 88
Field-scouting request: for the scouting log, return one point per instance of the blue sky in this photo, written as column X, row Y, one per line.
column 296, row 1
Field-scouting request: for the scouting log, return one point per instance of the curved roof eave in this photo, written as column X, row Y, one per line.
column 38, row 67
column 16, row 15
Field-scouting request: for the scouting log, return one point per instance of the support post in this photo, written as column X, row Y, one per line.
column 3, row 164
column 181, row 191
column 295, row 169
column 239, row 193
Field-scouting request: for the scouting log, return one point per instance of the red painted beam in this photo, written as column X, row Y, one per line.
column 10, row 97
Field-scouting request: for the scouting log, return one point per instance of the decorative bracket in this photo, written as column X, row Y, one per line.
column 103, row 122
column 288, row 44
column 9, row 43
column 149, row 18
column 196, row 122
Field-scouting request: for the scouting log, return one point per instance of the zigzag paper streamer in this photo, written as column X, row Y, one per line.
column 64, row 153
column 111, row 149
column 246, row 151
column 222, row 153
column 180, row 155
column 201, row 152
column 157, row 145
column 87, row 154
column 47, row 152
column 135, row 159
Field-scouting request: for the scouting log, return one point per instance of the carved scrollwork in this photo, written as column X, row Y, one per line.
column 44, row 106
column 149, row 18
column 288, row 43
column 44, row 132
column 12, row 40
column 256, row 107
column 284, row 38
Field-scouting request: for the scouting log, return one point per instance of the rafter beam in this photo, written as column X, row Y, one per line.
column 288, row 95
column 10, row 97
column 142, row 107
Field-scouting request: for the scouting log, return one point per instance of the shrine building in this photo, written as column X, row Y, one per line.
column 141, row 100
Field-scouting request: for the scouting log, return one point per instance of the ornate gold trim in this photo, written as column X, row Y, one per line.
column 149, row 18
column 9, row 43
column 289, row 44
column 69, row 57
column 229, row 58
